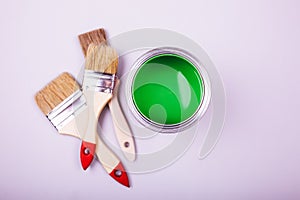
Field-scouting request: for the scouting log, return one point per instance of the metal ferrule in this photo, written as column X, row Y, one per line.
column 64, row 112
column 99, row 82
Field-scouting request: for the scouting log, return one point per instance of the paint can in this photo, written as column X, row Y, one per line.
column 168, row 90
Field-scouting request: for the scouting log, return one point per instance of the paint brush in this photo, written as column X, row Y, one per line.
column 65, row 106
column 122, row 129
column 98, row 83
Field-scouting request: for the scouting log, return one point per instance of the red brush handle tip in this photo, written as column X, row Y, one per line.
column 87, row 152
column 120, row 175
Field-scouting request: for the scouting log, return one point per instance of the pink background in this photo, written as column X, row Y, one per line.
column 254, row 45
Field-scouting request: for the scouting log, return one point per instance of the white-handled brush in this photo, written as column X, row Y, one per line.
column 122, row 129
column 98, row 84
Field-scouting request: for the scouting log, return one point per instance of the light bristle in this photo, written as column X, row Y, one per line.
column 101, row 58
column 56, row 92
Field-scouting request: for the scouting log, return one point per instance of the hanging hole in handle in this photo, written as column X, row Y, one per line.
column 86, row 151
column 118, row 173
column 126, row 144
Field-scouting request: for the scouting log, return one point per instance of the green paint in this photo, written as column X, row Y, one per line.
column 167, row 89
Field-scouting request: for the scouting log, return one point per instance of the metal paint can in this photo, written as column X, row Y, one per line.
column 168, row 90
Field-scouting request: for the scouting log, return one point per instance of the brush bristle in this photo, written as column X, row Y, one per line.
column 101, row 58
column 96, row 36
column 56, row 92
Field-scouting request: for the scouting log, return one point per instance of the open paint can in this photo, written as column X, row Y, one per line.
column 168, row 89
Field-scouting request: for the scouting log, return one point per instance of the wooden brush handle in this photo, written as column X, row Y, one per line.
column 96, row 101
column 111, row 163
column 122, row 129
column 76, row 125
